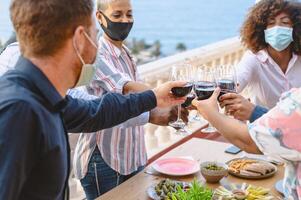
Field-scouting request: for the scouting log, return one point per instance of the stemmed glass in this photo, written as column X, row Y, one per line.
column 190, row 75
column 180, row 73
column 195, row 78
column 226, row 80
column 204, row 88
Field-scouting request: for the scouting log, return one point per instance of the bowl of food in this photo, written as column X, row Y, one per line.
column 240, row 194
column 213, row 172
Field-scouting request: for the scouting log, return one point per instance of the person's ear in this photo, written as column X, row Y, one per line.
column 79, row 39
column 100, row 18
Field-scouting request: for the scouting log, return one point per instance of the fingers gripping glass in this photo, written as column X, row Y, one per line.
column 226, row 80
column 180, row 73
column 204, row 88
column 194, row 78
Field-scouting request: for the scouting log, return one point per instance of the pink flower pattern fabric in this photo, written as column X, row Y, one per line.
column 278, row 134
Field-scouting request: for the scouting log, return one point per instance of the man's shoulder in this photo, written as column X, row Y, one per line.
column 13, row 93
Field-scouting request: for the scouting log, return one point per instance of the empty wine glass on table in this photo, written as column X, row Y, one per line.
column 180, row 73
column 204, row 89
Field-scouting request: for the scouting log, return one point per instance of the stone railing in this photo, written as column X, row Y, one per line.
column 226, row 52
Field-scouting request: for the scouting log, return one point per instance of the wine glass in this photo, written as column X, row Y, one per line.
column 180, row 73
column 195, row 78
column 204, row 89
column 226, row 80
column 191, row 96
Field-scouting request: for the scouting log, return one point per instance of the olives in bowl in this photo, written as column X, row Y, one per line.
column 213, row 172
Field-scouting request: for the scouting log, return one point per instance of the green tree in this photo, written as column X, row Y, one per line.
column 181, row 47
column 138, row 45
column 157, row 49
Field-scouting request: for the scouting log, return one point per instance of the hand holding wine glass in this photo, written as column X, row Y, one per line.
column 204, row 88
column 237, row 106
column 180, row 73
column 165, row 98
column 207, row 105
column 226, row 80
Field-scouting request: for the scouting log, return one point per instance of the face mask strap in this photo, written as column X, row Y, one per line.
column 106, row 18
column 90, row 40
column 77, row 52
column 117, row 31
column 103, row 14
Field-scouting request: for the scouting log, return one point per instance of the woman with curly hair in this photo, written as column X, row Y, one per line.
column 272, row 63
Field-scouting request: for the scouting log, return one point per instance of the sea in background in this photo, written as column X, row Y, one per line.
column 191, row 22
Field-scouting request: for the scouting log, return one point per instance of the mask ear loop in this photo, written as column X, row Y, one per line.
column 106, row 18
column 77, row 52
column 102, row 14
column 90, row 40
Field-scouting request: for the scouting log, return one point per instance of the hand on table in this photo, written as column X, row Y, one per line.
column 237, row 106
column 164, row 96
column 162, row 117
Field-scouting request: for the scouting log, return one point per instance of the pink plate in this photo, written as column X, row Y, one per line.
column 176, row 166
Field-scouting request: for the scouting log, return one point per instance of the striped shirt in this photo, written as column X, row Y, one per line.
column 122, row 147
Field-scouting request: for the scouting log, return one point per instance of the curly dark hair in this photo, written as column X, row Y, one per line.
column 252, row 31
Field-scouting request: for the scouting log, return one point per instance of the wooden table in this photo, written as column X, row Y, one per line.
column 201, row 150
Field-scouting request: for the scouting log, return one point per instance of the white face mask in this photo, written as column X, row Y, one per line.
column 88, row 70
column 279, row 37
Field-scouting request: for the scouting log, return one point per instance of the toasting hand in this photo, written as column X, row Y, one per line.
column 237, row 106
column 162, row 117
column 164, row 96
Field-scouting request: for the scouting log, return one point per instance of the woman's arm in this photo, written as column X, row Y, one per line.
column 233, row 130
column 245, row 70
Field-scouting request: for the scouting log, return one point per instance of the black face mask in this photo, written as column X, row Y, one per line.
column 117, row 31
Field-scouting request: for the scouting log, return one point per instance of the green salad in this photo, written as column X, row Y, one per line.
column 197, row 191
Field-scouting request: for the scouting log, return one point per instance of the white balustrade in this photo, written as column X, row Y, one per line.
column 150, row 138
column 163, row 134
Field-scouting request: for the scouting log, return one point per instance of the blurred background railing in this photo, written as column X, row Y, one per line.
column 158, row 138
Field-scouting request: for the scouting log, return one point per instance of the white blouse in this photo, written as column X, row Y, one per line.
column 265, row 79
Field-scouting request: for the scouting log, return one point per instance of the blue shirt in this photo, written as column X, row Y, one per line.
column 34, row 118
column 257, row 113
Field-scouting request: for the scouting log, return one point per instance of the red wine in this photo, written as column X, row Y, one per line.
column 182, row 91
column 188, row 101
column 204, row 90
column 178, row 127
column 226, row 86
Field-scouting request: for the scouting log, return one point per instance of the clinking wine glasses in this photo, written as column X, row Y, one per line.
column 226, row 80
column 181, row 73
column 204, row 88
